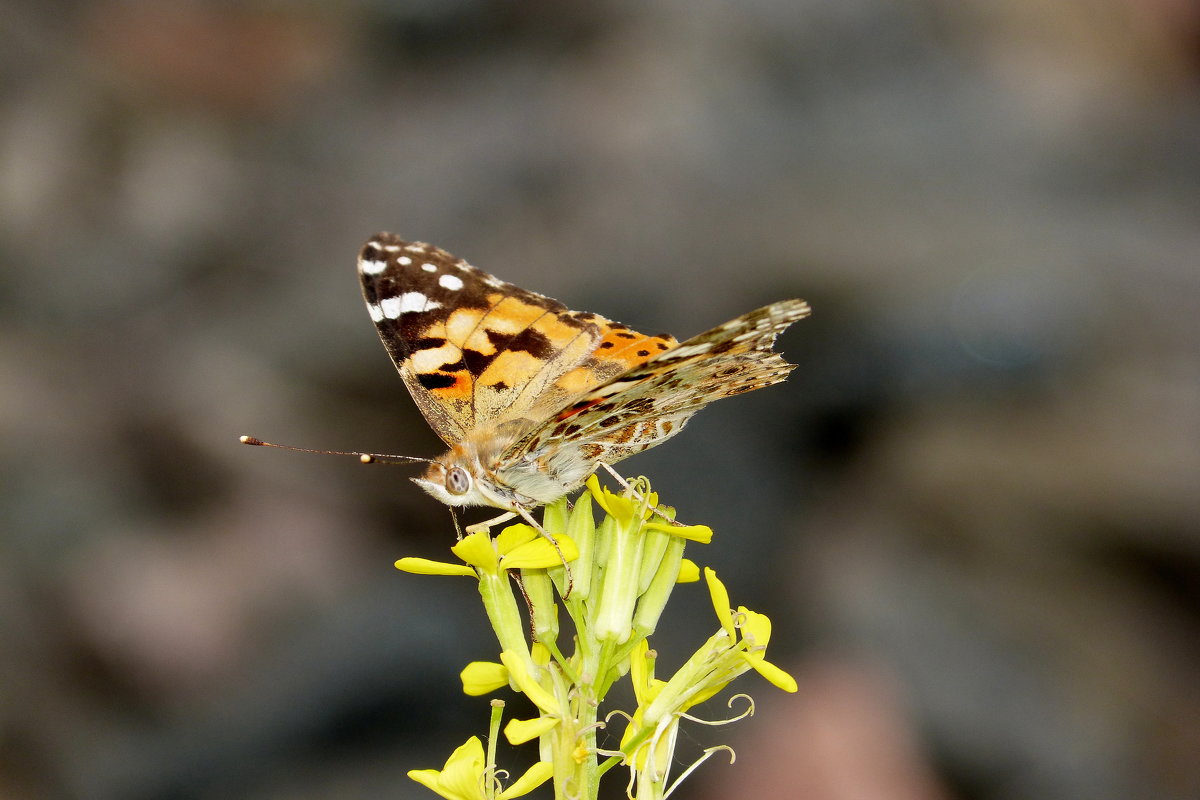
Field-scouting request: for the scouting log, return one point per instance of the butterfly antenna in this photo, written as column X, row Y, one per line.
column 366, row 458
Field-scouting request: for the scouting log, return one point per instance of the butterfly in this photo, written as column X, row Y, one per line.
column 532, row 397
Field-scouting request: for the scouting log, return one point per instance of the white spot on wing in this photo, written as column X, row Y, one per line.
column 404, row 260
column 375, row 311
column 406, row 303
column 429, row 267
column 451, row 282
column 371, row 267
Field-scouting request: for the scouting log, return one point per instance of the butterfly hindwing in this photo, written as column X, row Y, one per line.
column 651, row 402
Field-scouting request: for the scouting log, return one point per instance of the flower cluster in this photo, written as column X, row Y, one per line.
column 612, row 580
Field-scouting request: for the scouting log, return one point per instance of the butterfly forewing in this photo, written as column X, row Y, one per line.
column 476, row 352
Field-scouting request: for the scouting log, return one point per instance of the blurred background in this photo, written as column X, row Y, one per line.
column 972, row 511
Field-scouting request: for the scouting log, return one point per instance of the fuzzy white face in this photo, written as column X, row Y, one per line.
column 454, row 485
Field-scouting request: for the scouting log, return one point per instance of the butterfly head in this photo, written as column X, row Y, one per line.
column 454, row 480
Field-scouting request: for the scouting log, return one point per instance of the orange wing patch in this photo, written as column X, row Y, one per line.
column 500, row 348
column 619, row 350
column 630, row 348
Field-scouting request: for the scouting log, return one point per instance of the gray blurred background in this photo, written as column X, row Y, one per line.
column 972, row 511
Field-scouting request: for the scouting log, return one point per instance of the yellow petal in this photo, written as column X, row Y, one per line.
column 519, row 731
column 695, row 533
column 720, row 599
column 540, row 554
column 528, row 686
column 641, row 671
column 482, row 677
column 424, row 566
column 427, row 778
column 688, row 571
column 772, row 673
column 534, row 777
column 596, row 490
column 476, row 549
column 515, row 536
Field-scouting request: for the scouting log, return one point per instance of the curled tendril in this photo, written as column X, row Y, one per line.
column 595, row 726
column 749, row 712
column 496, row 777
column 749, row 702
column 490, row 779
column 695, row 764
column 616, row 712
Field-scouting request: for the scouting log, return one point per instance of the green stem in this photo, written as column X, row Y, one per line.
column 493, row 736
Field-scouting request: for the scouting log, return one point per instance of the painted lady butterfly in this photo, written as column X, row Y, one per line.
column 532, row 397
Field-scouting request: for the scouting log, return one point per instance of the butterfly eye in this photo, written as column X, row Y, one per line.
column 458, row 481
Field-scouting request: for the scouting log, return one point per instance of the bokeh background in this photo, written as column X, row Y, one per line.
column 972, row 511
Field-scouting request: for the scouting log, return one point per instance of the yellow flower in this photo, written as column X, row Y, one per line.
column 649, row 738
column 755, row 629
column 620, row 508
column 623, row 510
column 517, row 547
column 466, row 773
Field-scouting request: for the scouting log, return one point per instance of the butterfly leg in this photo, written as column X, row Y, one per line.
column 566, row 568
column 487, row 524
column 616, row 476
